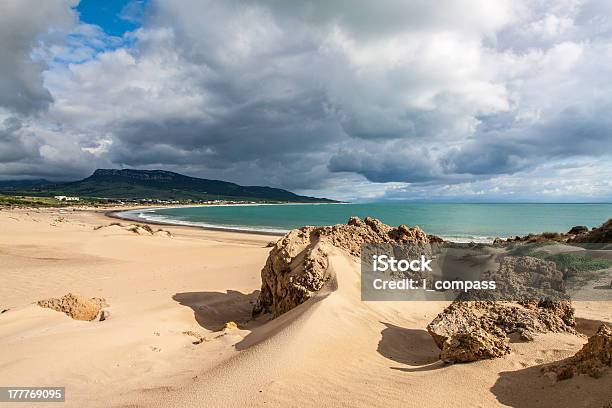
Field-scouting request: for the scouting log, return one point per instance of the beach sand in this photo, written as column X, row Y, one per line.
column 163, row 343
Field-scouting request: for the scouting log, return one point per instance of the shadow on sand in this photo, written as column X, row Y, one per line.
column 529, row 388
column 589, row 327
column 213, row 309
column 413, row 347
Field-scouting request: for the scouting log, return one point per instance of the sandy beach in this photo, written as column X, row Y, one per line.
column 166, row 341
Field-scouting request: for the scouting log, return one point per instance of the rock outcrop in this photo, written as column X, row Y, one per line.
column 475, row 330
column 594, row 359
column 600, row 235
column 296, row 267
column 578, row 234
column 544, row 237
column 523, row 278
column 138, row 229
column 76, row 306
column 578, row 229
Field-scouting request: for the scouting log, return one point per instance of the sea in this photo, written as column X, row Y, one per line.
column 456, row 222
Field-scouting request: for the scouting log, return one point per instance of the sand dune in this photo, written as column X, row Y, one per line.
column 335, row 350
column 332, row 350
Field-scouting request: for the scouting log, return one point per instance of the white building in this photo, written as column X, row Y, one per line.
column 66, row 198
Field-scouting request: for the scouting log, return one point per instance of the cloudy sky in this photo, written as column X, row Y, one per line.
column 457, row 100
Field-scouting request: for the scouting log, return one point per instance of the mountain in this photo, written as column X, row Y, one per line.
column 166, row 185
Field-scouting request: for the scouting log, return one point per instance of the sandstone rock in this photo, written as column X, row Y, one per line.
column 594, row 359
column 435, row 239
column 474, row 330
column 296, row 267
column 355, row 221
column 463, row 347
column 524, row 278
column 76, row 306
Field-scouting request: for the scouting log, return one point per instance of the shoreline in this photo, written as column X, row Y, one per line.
column 114, row 214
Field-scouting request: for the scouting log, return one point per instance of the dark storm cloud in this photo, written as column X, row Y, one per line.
column 574, row 132
column 267, row 130
column 22, row 23
column 15, row 143
column 385, row 163
column 482, row 159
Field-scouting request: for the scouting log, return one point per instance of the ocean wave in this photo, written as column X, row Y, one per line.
column 466, row 239
column 151, row 216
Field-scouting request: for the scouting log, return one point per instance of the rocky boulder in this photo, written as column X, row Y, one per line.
column 529, row 299
column 76, row 306
column 296, row 267
column 463, row 347
column 578, row 229
column 475, row 330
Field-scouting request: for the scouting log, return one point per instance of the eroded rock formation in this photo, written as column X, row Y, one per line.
column 76, row 306
column 475, row 330
column 529, row 299
column 296, row 267
column 524, row 278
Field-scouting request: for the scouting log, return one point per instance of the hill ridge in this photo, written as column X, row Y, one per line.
column 165, row 185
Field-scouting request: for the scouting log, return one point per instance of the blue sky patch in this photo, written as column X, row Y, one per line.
column 115, row 17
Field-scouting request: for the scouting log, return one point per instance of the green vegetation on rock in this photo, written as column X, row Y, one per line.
column 575, row 267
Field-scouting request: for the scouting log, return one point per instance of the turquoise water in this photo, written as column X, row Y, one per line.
column 478, row 222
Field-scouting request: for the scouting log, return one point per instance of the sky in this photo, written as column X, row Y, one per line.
column 393, row 100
